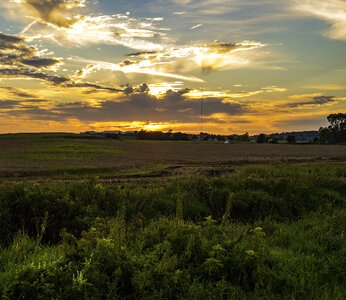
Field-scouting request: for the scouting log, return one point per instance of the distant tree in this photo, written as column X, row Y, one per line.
column 113, row 136
column 244, row 137
column 272, row 140
column 261, row 138
column 315, row 140
column 336, row 131
column 326, row 135
column 291, row 139
column 337, row 127
column 337, row 121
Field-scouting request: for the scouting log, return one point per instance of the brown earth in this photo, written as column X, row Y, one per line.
column 146, row 159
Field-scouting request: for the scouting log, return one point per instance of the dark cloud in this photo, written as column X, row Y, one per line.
column 18, row 92
column 222, row 48
column 21, row 104
column 242, row 121
column 152, row 54
column 20, row 61
column 8, row 104
column 36, row 113
column 13, row 49
column 6, row 40
column 174, row 106
column 61, row 81
column 315, row 101
column 14, row 52
column 40, row 62
column 35, row 100
column 57, row 12
column 93, row 87
column 27, row 73
column 143, row 88
column 128, row 62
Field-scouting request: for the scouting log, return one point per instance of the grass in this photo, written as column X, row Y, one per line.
column 61, row 152
column 262, row 232
column 32, row 155
column 157, row 229
column 46, row 135
column 89, row 172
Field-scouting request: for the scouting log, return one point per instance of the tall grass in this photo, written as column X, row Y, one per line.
column 264, row 232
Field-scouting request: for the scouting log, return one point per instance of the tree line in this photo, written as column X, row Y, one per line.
column 334, row 133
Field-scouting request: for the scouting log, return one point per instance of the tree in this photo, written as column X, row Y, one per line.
column 337, row 127
column 325, row 135
column 336, row 131
column 261, row 138
column 337, row 121
column 244, row 137
column 291, row 139
column 272, row 140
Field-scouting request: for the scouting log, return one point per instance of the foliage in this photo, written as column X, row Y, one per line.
column 264, row 232
column 243, row 138
column 261, row 138
column 336, row 131
column 291, row 139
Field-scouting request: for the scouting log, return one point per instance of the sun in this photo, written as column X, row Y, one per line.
column 153, row 126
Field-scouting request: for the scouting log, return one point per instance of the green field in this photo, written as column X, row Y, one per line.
column 149, row 220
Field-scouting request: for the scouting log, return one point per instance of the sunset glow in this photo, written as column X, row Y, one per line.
column 263, row 66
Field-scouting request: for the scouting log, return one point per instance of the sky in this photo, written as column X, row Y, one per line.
column 217, row 66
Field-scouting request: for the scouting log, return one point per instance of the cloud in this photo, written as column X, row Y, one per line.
column 196, row 26
column 67, row 23
column 27, row 73
column 332, row 87
column 60, row 13
column 332, row 11
column 209, row 57
column 138, row 67
column 41, row 62
column 18, row 60
column 14, row 51
column 138, row 105
column 16, row 92
column 228, row 95
column 315, row 101
column 56, row 80
column 8, row 104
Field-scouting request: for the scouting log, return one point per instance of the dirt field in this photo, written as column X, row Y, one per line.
column 133, row 158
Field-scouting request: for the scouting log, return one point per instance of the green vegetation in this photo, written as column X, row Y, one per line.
column 60, row 151
column 50, row 135
column 336, row 131
column 291, row 139
column 263, row 232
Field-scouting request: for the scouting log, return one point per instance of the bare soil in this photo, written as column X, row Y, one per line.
column 154, row 159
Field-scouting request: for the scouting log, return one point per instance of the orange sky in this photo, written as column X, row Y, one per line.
column 265, row 66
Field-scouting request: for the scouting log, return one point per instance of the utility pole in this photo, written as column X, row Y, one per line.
column 201, row 117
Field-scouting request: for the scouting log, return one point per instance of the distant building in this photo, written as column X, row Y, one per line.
column 130, row 132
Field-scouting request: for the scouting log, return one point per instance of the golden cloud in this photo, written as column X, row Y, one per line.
column 63, row 21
